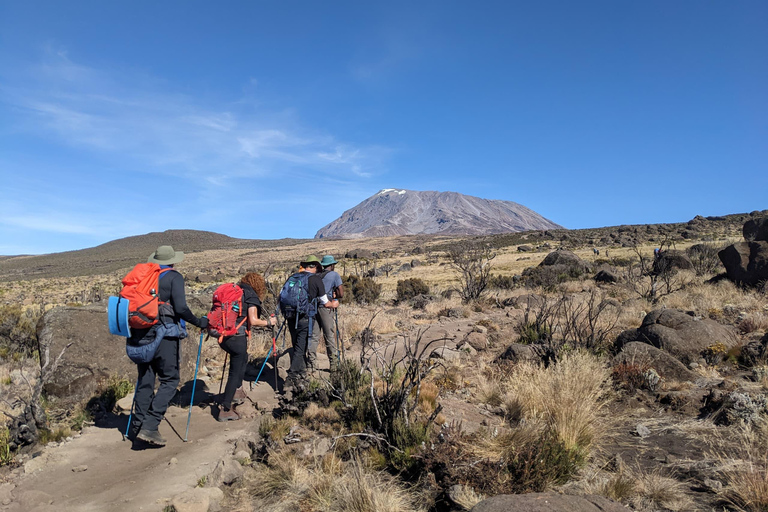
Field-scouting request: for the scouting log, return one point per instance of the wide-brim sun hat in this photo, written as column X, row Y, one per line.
column 165, row 255
column 328, row 260
column 310, row 259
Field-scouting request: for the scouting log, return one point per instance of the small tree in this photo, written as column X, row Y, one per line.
column 473, row 261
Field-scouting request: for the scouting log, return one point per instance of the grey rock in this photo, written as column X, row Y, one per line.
column 641, row 431
column 547, row 502
column 683, row 336
column 746, row 262
column 227, row 471
column 80, row 469
column 198, row 499
column 712, row 485
column 648, row 356
column 446, row 353
column 534, row 353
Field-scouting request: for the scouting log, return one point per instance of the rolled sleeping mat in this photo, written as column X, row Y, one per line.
column 117, row 313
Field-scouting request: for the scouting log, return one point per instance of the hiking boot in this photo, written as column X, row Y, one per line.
column 227, row 415
column 240, row 396
column 133, row 431
column 152, row 437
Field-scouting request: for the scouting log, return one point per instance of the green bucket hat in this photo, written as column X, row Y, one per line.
column 165, row 255
column 310, row 259
column 328, row 260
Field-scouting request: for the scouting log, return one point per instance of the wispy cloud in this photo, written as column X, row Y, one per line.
column 172, row 133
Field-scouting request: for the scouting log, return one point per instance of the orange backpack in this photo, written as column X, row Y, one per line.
column 141, row 288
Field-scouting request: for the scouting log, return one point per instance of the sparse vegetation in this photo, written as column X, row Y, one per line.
column 410, row 288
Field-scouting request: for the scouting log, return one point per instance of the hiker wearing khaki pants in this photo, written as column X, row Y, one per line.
column 324, row 322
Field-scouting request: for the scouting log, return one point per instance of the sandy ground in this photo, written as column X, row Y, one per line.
column 123, row 477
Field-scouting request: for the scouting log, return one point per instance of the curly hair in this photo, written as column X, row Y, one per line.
column 255, row 281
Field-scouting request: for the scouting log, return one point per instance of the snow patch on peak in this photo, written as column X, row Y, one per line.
column 388, row 190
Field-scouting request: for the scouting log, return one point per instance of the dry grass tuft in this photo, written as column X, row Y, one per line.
column 289, row 483
column 746, row 471
column 566, row 397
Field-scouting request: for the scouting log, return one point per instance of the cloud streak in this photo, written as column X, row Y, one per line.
column 174, row 134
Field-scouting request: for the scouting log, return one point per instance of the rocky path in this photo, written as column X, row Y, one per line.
column 98, row 471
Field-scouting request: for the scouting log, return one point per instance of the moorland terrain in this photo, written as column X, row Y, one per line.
column 574, row 364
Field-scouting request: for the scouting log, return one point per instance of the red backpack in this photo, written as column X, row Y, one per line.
column 141, row 288
column 227, row 306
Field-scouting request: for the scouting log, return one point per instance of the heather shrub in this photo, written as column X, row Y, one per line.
column 362, row 290
column 410, row 288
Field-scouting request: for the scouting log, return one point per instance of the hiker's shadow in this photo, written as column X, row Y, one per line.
column 257, row 371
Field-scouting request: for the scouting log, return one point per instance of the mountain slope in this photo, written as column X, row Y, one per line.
column 394, row 212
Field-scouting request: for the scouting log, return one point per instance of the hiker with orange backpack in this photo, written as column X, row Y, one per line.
column 162, row 336
column 237, row 308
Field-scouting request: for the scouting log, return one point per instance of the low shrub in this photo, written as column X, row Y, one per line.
column 503, row 282
column 410, row 288
column 361, row 290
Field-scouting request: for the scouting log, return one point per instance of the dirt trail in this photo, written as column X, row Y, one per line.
column 120, row 478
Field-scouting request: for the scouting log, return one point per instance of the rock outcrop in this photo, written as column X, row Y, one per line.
column 684, row 336
column 94, row 354
column 746, row 263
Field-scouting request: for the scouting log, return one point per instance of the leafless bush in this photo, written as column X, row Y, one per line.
column 651, row 277
column 704, row 258
column 473, row 261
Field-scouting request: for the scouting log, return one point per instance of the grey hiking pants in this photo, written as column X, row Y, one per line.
column 324, row 322
column 150, row 406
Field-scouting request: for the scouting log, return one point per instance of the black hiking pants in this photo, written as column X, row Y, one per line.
column 237, row 348
column 300, row 340
column 150, row 406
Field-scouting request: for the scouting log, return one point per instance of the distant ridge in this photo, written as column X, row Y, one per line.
column 121, row 253
column 392, row 212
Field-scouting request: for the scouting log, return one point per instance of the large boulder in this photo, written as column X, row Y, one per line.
column 756, row 230
column 671, row 261
column 94, row 355
column 746, row 262
column 648, row 356
column 565, row 258
column 684, row 336
column 547, row 502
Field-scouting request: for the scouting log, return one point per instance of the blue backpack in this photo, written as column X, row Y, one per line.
column 294, row 297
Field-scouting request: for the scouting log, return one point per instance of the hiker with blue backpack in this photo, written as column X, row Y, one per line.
column 325, row 323
column 156, row 348
column 301, row 296
column 241, row 303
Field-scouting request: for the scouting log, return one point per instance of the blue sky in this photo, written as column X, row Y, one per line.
column 269, row 119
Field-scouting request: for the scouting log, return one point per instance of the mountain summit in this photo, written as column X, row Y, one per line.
column 393, row 212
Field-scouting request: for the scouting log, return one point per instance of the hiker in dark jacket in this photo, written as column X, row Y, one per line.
column 150, row 406
column 325, row 322
column 298, row 323
column 237, row 345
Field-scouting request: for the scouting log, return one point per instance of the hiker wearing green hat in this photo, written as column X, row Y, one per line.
column 325, row 322
column 302, row 295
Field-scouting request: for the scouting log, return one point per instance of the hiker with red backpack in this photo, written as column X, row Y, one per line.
column 236, row 308
column 154, row 343
column 302, row 294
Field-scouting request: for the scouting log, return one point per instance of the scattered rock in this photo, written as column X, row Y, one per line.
column 6, row 493
column 746, row 262
column 534, row 353
column 669, row 261
column 198, row 499
column 547, row 502
column 682, row 335
column 641, row 431
column 227, row 470
column 125, row 403
column 756, row 230
column 712, row 485
column 565, row 258
column 647, row 356
column 606, row 276
column 446, row 353
column 80, row 469
column 477, row 340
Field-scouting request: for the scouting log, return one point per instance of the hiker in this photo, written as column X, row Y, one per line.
column 299, row 311
column 150, row 406
column 324, row 318
column 236, row 345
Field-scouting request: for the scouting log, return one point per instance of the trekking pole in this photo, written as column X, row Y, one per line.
column 341, row 340
column 338, row 355
column 194, row 383
column 130, row 416
column 223, row 371
column 273, row 348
